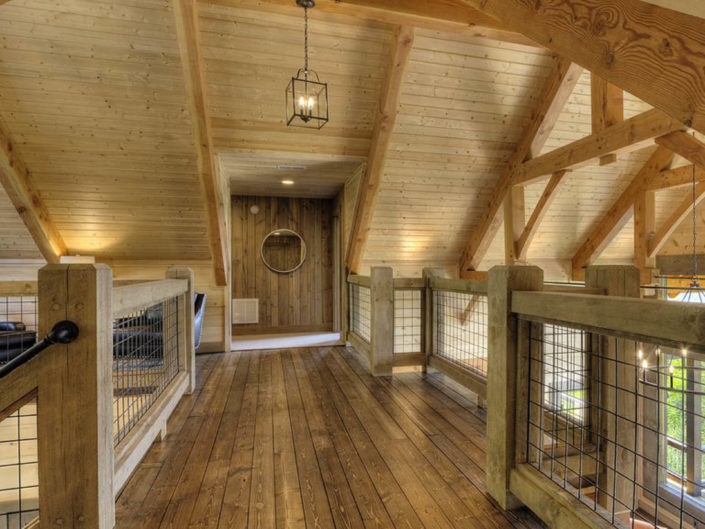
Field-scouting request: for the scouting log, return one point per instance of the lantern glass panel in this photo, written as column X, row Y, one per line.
column 306, row 102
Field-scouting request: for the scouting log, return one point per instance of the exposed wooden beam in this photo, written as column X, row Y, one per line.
column 16, row 179
column 514, row 222
column 675, row 177
column 607, row 108
column 186, row 15
column 631, row 134
column 570, row 73
column 607, row 227
column 679, row 214
column 547, row 197
column 644, row 229
column 685, row 145
column 554, row 94
column 654, row 53
column 445, row 15
column 384, row 125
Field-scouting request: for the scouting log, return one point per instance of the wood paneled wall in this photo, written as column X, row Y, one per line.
column 302, row 300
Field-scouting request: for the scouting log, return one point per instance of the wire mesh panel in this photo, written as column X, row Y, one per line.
column 618, row 423
column 360, row 311
column 565, row 375
column 18, row 325
column 460, row 328
column 145, row 360
column 19, row 476
column 408, row 320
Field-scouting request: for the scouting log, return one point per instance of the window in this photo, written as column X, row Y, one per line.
column 683, row 407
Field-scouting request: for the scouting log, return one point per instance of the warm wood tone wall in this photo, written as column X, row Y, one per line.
column 302, row 300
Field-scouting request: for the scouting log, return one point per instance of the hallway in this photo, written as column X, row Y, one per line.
column 305, row 438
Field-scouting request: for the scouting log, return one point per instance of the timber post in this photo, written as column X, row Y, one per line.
column 381, row 320
column 75, row 399
column 502, row 380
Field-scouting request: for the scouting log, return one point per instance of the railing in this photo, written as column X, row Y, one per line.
column 145, row 361
column 18, row 318
column 600, row 401
column 19, row 476
column 408, row 316
column 77, row 419
column 360, row 307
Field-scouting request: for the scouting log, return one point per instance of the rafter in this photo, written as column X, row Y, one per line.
column 186, row 16
column 631, row 134
column 654, row 53
column 607, row 108
column 384, row 125
column 675, row 177
column 547, row 197
column 447, row 15
column 618, row 215
column 685, row 145
column 16, row 179
column 679, row 214
column 554, row 94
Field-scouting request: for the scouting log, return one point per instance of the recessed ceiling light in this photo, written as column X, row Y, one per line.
column 288, row 182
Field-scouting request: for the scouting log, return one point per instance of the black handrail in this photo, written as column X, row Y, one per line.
column 63, row 332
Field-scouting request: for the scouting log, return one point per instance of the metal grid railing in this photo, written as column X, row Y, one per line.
column 18, row 325
column 618, row 423
column 460, row 328
column 145, row 361
column 408, row 320
column 19, row 474
column 360, row 311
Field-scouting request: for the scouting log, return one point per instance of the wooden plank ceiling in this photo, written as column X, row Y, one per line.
column 93, row 95
column 15, row 240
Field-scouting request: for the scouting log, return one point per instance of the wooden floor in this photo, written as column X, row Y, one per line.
column 306, row 439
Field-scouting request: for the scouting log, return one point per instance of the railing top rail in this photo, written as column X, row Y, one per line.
column 18, row 288
column 578, row 289
column 401, row 283
column 670, row 323
column 129, row 298
column 472, row 286
column 363, row 281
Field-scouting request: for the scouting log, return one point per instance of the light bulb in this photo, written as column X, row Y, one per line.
column 311, row 103
column 671, row 369
column 302, row 104
column 684, row 352
column 644, row 364
column 640, row 354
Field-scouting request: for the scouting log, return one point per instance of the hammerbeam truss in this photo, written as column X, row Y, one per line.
column 655, row 53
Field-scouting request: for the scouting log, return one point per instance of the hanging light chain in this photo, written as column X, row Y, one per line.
column 306, row 42
column 695, row 233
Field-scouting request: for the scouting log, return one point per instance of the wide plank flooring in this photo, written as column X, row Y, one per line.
column 305, row 438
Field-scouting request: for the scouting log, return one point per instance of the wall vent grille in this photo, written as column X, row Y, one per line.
column 245, row 311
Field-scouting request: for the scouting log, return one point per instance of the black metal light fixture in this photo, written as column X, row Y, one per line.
column 306, row 95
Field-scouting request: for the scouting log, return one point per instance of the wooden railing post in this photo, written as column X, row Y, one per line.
column 504, row 361
column 75, row 399
column 381, row 320
column 186, row 328
column 614, row 360
column 428, row 274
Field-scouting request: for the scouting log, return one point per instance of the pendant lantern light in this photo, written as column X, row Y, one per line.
column 306, row 95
